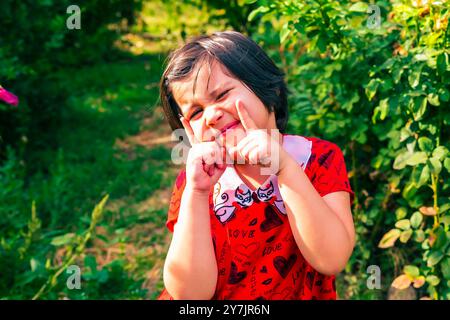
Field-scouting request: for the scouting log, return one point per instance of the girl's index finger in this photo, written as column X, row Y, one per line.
column 189, row 132
column 246, row 121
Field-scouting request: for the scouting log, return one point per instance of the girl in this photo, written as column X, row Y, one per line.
column 238, row 232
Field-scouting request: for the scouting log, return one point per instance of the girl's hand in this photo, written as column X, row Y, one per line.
column 206, row 162
column 259, row 147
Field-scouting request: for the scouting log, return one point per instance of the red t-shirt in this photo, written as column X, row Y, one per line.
column 257, row 256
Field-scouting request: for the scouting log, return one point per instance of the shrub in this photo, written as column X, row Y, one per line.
column 376, row 80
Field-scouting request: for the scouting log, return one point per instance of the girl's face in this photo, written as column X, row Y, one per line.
column 212, row 108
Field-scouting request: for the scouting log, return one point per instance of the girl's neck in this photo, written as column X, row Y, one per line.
column 250, row 175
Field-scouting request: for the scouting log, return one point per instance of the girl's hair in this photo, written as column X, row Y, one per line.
column 242, row 57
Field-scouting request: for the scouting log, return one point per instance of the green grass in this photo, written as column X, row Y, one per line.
column 107, row 104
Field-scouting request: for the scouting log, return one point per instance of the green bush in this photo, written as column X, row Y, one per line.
column 380, row 91
column 35, row 42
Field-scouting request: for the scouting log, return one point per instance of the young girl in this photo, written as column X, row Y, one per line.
column 239, row 233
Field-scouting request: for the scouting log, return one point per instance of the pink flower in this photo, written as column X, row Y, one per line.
column 8, row 97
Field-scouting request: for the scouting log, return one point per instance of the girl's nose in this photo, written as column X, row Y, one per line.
column 212, row 116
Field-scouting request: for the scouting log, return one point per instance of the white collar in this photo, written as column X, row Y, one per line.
column 231, row 189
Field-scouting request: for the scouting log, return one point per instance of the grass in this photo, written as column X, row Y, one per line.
column 106, row 145
column 100, row 144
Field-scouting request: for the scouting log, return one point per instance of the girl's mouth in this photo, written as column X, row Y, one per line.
column 229, row 126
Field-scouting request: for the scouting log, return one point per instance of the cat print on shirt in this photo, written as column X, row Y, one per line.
column 243, row 198
column 267, row 193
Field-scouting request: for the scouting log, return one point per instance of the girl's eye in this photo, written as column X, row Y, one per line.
column 223, row 94
column 194, row 114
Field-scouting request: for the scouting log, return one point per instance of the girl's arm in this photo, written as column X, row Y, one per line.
column 190, row 269
column 322, row 226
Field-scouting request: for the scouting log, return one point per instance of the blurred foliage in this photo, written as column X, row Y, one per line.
column 68, row 182
column 376, row 80
column 34, row 43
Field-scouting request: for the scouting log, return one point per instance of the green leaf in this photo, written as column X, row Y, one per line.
column 400, row 213
column 416, row 158
column 62, row 240
column 445, row 268
column 433, row 99
column 442, row 63
column 424, row 176
column 419, row 107
column 433, row 280
column 434, row 258
column 371, row 88
column 419, row 236
column 359, row 7
column 384, row 108
column 435, row 165
column 389, row 238
column 440, row 153
column 284, row 33
column 34, row 264
column 414, row 75
column 405, row 235
column 387, row 64
column 425, row 144
column 401, row 159
column 405, row 133
column 403, row 224
column 397, row 72
column 411, row 271
column 447, row 164
column 258, row 10
column 409, row 191
column 444, row 208
column 446, row 222
column 444, row 94
column 416, row 219
column 441, row 238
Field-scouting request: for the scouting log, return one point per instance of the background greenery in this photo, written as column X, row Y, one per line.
column 85, row 171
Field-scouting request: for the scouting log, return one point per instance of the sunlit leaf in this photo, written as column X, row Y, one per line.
column 425, row 144
column 419, row 282
column 433, row 280
column 433, row 99
column 402, row 282
column 403, row 224
column 414, row 75
column 405, row 235
column 62, row 240
column 284, row 33
column 427, row 211
column 411, row 271
column 359, row 7
column 389, row 238
column 434, row 258
column 416, row 219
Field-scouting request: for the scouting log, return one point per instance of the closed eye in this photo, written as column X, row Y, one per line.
column 195, row 112
column 223, row 94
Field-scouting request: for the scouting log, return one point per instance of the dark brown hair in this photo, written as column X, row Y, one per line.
column 242, row 57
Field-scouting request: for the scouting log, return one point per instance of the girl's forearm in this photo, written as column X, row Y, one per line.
column 319, row 233
column 190, row 270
